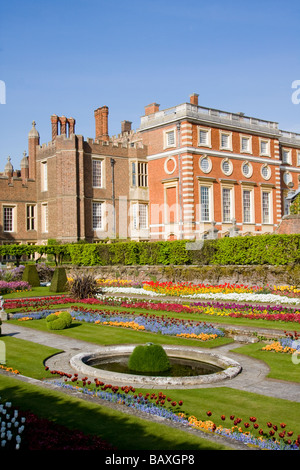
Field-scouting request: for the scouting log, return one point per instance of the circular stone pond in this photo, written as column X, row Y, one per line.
column 190, row 367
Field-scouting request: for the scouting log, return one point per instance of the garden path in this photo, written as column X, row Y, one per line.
column 252, row 378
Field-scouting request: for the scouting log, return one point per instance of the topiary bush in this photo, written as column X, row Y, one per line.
column 59, row 281
column 149, row 358
column 59, row 320
column 31, row 275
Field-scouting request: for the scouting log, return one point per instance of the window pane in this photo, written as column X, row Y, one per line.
column 143, row 209
column 8, row 219
column 204, row 164
column 266, row 208
column 97, row 215
column 204, row 201
column 203, row 137
column 226, row 204
column 170, row 138
column 245, row 143
column 225, row 140
column 97, row 173
column 247, row 206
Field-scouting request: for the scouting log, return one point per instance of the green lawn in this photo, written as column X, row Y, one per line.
column 123, row 431
column 105, row 335
column 281, row 365
column 128, row 432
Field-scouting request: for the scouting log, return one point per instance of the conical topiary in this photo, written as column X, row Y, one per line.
column 31, row 275
column 59, row 280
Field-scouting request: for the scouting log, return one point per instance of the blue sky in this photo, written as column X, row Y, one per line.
column 70, row 57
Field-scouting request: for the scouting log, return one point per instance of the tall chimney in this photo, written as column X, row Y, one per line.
column 101, row 123
column 33, row 141
column 54, row 122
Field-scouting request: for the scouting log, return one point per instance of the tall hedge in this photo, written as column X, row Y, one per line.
column 250, row 250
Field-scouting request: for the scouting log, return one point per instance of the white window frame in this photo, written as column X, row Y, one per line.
column 95, row 182
column 229, row 137
column 267, row 152
column 246, row 163
column 287, row 160
column 205, row 157
column 136, row 216
column 101, row 205
column 209, row 186
column 31, row 219
column 298, row 159
column 249, row 147
column 207, row 143
column 229, row 172
column 13, row 209
column 269, row 172
column 270, row 202
column 251, row 206
column 44, row 176
column 45, row 217
column 232, row 212
column 167, row 134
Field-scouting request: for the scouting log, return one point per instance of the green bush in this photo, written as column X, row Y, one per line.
column 31, row 275
column 149, row 358
column 59, row 280
column 59, row 320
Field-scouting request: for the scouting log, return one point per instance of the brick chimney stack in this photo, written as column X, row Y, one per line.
column 33, row 141
column 151, row 108
column 125, row 126
column 66, row 125
column 101, row 123
column 54, row 122
column 194, row 99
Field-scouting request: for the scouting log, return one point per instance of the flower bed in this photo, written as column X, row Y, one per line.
column 13, row 286
column 290, row 343
column 272, row 437
column 23, row 430
column 148, row 322
column 228, row 293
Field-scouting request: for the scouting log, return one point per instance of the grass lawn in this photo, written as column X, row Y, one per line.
column 281, row 365
column 123, row 431
column 128, row 432
column 105, row 335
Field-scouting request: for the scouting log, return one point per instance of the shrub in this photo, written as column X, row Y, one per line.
column 149, row 358
column 59, row 320
column 59, row 280
column 83, row 286
column 31, row 275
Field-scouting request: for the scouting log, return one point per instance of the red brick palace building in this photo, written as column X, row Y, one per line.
column 187, row 172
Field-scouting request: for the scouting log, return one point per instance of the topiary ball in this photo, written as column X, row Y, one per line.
column 149, row 358
column 59, row 320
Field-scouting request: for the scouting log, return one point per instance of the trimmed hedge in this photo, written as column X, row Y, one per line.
column 250, row 250
column 59, row 320
column 149, row 358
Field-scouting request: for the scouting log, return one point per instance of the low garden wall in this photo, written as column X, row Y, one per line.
column 252, row 275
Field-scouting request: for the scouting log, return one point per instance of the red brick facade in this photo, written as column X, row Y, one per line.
column 187, row 172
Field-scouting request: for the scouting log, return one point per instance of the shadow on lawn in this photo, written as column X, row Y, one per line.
column 122, row 431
